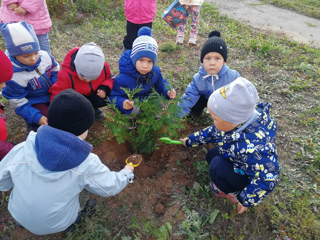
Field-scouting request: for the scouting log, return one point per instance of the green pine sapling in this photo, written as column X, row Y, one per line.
column 157, row 118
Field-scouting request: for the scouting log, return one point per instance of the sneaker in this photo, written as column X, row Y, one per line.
column 192, row 41
column 218, row 193
column 132, row 124
column 99, row 114
column 180, row 39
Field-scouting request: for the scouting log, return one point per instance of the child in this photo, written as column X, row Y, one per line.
column 53, row 167
column 137, row 68
column 6, row 73
column 213, row 74
column 34, row 73
column 194, row 7
column 35, row 12
column 85, row 70
column 244, row 167
column 139, row 14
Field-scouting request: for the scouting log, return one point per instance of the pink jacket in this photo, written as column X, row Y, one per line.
column 37, row 14
column 140, row 11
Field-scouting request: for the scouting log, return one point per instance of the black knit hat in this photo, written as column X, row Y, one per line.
column 71, row 112
column 214, row 44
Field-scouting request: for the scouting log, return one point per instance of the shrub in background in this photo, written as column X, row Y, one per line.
column 156, row 119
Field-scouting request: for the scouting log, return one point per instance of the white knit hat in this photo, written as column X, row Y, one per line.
column 235, row 102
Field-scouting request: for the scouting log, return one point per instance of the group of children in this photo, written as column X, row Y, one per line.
column 55, row 166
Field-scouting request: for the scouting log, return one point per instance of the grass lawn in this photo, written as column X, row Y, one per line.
column 286, row 74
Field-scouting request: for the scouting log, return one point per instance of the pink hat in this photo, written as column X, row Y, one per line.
column 6, row 69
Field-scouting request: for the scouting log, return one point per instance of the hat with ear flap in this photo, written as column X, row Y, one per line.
column 70, row 111
column 234, row 103
column 214, row 44
column 6, row 69
column 144, row 46
column 20, row 38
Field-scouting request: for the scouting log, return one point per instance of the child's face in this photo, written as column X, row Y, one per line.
column 144, row 65
column 220, row 124
column 83, row 79
column 28, row 59
column 2, row 85
column 213, row 62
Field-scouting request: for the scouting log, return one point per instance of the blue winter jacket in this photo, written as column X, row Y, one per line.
column 252, row 151
column 30, row 85
column 130, row 78
column 47, row 172
column 204, row 84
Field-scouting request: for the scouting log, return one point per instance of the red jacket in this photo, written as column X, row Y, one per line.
column 68, row 78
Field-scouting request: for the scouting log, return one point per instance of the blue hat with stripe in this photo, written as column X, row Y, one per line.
column 144, row 46
column 20, row 38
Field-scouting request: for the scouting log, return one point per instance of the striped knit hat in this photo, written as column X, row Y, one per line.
column 144, row 46
column 20, row 38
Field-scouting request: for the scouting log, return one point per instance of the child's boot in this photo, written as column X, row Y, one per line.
column 99, row 114
column 192, row 40
column 180, row 39
column 218, row 193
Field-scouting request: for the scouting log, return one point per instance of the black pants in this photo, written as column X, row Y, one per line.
column 132, row 33
column 223, row 175
column 97, row 101
column 200, row 105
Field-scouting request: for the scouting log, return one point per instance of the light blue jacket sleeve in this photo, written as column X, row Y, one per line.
column 189, row 99
column 99, row 180
column 5, row 176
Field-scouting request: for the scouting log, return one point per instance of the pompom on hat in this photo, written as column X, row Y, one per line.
column 70, row 111
column 6, row 69
column 234, row 103
column 144, row 46
column 214, row 44
column 20, row 38
column 89, row 61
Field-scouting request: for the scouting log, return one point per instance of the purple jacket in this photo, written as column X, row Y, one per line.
column 37, row 14
column 140, row 11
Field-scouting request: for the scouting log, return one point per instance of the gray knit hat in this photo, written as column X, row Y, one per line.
column 235, row 102
column 89, row 61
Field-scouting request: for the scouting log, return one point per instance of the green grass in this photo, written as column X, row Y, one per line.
column 286, row 73
column 307, row 7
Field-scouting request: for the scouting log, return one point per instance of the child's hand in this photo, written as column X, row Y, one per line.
column 172, row 94
column 12, row 6
column 129, row 167
column 127, row 104
column 20, row 10
column 184, row 141
column 43, row 121
column 241, row 208
column 101, row 93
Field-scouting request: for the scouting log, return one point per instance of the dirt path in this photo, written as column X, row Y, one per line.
column 271, row 18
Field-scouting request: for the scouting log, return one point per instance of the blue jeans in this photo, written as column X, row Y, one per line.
column 223, row 175
column 44, row 42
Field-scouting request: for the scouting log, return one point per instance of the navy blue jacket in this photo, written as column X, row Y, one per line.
column 130, row 78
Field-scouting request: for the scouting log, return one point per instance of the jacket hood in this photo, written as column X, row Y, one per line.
column 223, row 70
column 254, row 130
column 68, row 62
column 126, row 66
column 58, row 150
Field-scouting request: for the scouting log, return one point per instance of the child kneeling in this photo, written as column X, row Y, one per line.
column 244, row 167
column 51, row 173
